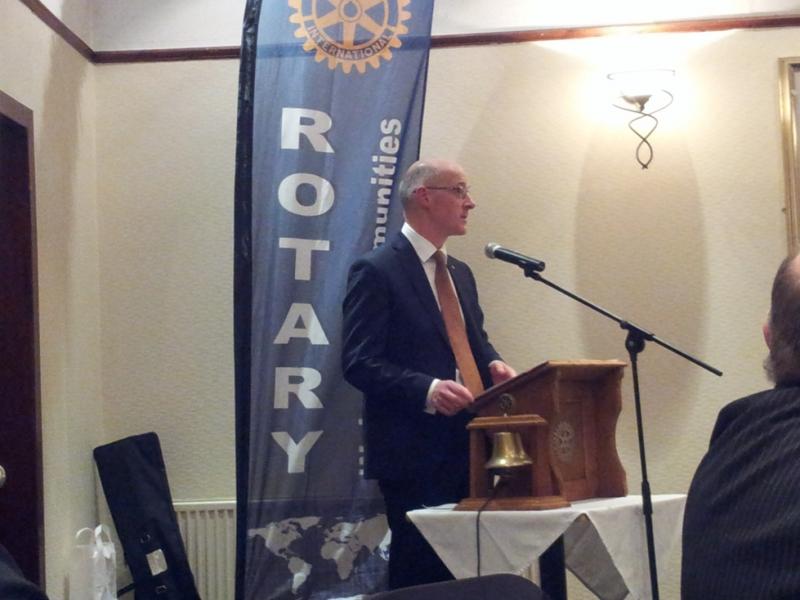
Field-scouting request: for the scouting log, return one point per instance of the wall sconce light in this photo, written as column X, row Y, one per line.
column 644, row 93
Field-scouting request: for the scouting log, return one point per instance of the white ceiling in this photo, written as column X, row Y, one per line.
column 154, row 24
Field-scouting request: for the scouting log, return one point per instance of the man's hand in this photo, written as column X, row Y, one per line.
column 500, row 371
column 450, row 398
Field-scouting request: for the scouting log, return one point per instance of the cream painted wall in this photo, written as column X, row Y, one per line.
column 148, row 24
column 135, row 179
column 166, row 157
column 49, row 77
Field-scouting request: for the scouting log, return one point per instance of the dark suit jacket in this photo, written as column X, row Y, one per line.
column 13, row 585
column 394, row 345
column 741, row 530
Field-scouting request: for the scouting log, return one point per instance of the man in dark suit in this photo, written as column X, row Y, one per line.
column 13, row 585
column 406, row 341
column 741, row 530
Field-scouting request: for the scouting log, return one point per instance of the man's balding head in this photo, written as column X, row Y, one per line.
column 421, row 173
column 436, row 199
column 782, row 332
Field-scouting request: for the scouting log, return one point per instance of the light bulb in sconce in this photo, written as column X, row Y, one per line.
column 644, row 94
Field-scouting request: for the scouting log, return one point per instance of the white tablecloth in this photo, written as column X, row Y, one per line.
column 604, row 540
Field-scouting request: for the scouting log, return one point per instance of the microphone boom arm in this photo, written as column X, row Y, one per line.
column 634, row 344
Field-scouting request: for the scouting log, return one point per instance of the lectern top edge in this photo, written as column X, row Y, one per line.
column 595, row 367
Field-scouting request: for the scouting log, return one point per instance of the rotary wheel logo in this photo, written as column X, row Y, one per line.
column 562, row 441
column 350, row 33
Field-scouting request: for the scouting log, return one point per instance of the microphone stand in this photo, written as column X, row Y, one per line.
column 634, row 344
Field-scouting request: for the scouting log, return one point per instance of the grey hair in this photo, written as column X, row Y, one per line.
column 417, row 176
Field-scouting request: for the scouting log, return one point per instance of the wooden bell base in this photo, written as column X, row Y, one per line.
column 513, row 503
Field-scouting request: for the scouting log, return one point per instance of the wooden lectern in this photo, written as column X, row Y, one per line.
column 566, row 415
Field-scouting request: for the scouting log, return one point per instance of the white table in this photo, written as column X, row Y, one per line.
column 604, row 540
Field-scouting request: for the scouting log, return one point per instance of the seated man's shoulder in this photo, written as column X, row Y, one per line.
column 763, row 400
column 13, row 585
column 752, row 409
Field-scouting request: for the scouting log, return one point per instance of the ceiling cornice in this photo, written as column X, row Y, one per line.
column 54, row 23
column 437, row 41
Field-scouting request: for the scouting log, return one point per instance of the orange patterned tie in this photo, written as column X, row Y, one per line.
column 454, row 324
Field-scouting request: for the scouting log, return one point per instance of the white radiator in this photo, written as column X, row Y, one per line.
column 208, row 529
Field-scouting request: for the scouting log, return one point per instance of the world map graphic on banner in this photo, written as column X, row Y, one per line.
column 338, row 545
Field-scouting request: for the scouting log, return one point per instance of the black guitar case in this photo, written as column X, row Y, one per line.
column 135, row 484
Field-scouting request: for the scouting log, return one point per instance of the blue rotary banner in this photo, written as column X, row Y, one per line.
column 330, row 109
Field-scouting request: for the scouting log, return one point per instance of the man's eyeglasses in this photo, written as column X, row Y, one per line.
column 462, row 191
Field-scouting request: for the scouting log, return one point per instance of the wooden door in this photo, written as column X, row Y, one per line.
column 21, row 506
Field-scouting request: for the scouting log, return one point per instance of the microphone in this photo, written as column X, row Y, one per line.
column 515, row 258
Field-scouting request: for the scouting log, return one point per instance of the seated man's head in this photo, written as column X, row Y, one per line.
column 782, row 330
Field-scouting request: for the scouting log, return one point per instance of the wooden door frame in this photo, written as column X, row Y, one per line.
column 790, row 128
column 23, row 116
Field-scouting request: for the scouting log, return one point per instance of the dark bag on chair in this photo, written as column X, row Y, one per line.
column 135, row 484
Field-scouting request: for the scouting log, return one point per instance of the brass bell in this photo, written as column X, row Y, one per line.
column 507, row 452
